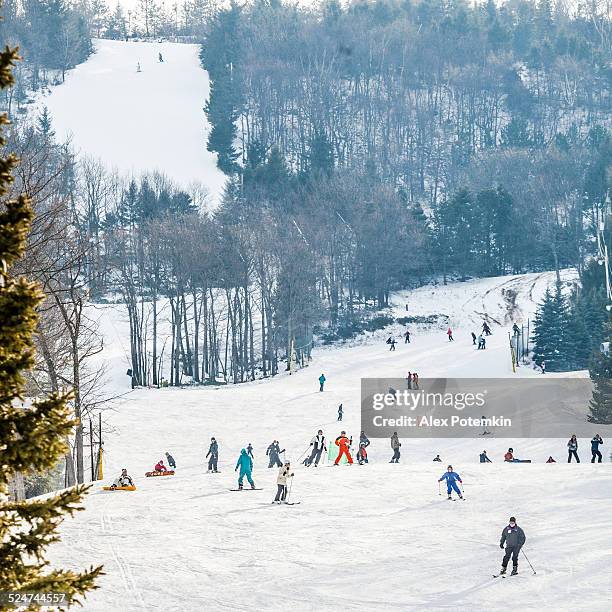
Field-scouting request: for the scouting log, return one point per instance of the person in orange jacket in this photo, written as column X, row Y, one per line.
column 343, row 443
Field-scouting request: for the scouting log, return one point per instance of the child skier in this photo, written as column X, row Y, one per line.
column 343, row 443
column 281, row 482
column 514, row 538
column 124, row 480
column 362, row 453
column 213, row 453
column 451, row 482
column 245, row 463
column 170, row 460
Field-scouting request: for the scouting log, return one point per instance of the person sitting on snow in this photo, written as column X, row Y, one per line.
column 437, row 458
column 550, row 459
column 124, row 480
column 160, row 467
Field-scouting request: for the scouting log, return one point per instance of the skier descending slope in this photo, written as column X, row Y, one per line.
column 245, row 463
column 514, row 538
column 451, row 482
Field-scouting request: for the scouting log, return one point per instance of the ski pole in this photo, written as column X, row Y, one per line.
column 289, row 492
column 531, row 566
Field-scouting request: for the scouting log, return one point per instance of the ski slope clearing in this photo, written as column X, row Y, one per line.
column 143, row 121
column 377, row 536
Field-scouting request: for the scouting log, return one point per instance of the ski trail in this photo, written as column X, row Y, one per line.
column 125, row 571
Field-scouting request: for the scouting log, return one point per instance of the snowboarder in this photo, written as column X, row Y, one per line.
column 249, row 450
column 449, row 333
column 395, row 445
column 213, row 453
column 340, row 412
column 318, row 446
column 437, row 458
column 343, row 443
column 281, row 482
column 322, row 380
column 550, row 459
column 451, row 482
column 415, row 380
column 170, row 460
column 273, row 451
column 486, row 329
column 484, row 457
column 161, row 59
column 407, row 337
column 125, row 480
column 362, row 453
column 409, row 380
column 514, row 538
column 160, row 467
column 245, row 463
column 595, row 452
column 572, row 449
column 473, row 338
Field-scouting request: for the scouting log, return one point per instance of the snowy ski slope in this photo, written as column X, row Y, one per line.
column 375, row 537
column 140, row 121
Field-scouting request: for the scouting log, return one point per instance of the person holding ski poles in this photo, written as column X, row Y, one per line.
column 245, row 463
column 514, row 538
column 452, row 478
column 595, row 452
column 343, row 443
column 213, row 453
column 281, row 482
column 318, row 446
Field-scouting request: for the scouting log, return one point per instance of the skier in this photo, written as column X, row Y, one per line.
column 395, row 445
column 281, row 482
column 249, row 450
column 160, row 467
column 415, row 380
column 449, row 333
column 124, row 480
column 362, row 453
column 407, row 337
column 213, row 453
column 550, row 459
column 437, row 458
column 484, row 458
column 170, row 460
column 451, row 482
column 245, row 463
column 514, row 538
column 486, row 329
column 273, row 451
column 161, row 59
column 340, row 412
column 343, row 443
column 595, row 452
column 473, row 338
column 318, row 446
column 409, row 380
column 572, row 449
column 322, row 380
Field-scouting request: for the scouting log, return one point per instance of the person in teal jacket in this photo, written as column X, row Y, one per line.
column 245, row 463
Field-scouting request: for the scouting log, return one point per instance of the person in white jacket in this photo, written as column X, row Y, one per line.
column 281, row 482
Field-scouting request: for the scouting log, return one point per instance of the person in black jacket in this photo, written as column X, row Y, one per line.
column 213, row 453
column 514, row 538
column 171, row 461
column 273, row 451
column 595, row 452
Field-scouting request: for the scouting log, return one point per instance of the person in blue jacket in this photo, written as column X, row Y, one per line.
column 245, row 463
column 452, row 478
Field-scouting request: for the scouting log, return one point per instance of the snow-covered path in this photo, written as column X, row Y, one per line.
column 374, row 537
column 140, row 121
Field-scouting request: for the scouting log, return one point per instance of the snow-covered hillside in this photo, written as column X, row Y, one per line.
column 140, row 121
column 374, row 537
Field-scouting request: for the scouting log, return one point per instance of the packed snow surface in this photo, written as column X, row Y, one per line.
column 138, row 122
column 372, row 537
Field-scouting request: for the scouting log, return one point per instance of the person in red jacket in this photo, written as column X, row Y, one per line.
column 160, row 467
column 343, row 443
column 449, row 333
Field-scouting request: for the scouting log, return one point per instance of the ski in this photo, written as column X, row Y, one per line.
column 249, row 489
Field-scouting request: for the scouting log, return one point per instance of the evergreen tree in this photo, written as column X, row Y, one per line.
column 600, row 371
column 31, row 437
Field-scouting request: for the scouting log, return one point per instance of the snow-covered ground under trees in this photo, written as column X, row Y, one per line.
column 140, row 122
column 373, row 537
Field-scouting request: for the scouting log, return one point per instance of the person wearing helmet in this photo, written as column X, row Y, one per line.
column 213, row 453
column 514, row 538
column 281, row 482
column 343, row 443
column 452, row 478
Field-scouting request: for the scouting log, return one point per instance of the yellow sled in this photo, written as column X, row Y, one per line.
column 128, row 488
